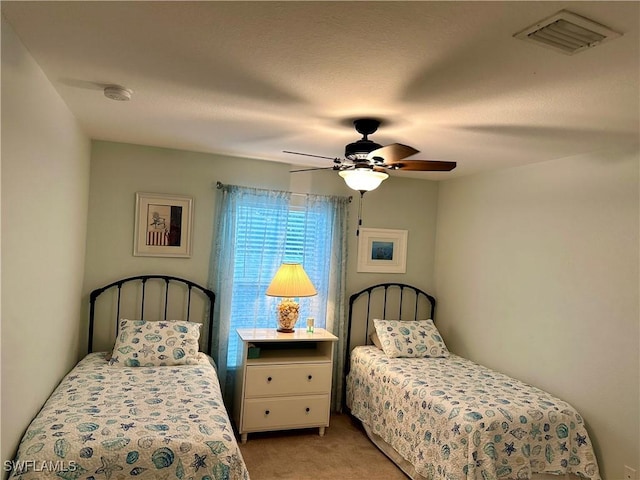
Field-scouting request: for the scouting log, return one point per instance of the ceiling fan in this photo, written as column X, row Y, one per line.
column 365, row 163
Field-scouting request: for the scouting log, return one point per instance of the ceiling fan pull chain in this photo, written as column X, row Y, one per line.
column 360, row 213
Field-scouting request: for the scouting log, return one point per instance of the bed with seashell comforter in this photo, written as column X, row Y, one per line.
column 151, row 408
column 441, row 416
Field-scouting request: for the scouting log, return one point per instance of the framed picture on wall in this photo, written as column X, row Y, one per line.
column 382, row 250
column 163, row 225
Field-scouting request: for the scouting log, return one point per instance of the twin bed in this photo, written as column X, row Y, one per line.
column 441, row 416
column 150, row 407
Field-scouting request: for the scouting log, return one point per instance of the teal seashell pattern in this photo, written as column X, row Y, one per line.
column 419, row 338
column 155, row 344
column 142, row 423
column 462, row 421
column 163, row 458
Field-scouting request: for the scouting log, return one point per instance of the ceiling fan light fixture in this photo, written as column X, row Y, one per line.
column 363, row 179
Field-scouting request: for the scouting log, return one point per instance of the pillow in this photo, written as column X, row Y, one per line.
column 419, row 338
column 152, row 344
column 375, row 339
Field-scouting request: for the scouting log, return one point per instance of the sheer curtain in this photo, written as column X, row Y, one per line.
column 235, row 207
column 333, row 211
column 256, row 230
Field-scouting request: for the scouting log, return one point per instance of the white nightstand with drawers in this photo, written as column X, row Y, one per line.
column 283, row 380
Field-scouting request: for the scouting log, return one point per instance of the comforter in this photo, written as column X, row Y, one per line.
column 454, row 419
column 106, row 422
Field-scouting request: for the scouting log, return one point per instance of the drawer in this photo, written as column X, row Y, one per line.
column 297, row 379
column 285, row 412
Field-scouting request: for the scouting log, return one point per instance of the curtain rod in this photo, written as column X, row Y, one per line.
column 220, row 185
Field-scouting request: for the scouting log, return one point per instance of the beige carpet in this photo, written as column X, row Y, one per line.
column 344, row 453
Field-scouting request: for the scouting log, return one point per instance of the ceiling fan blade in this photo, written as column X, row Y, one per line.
column 310, row 169
column 311, row 155
column 422, row 165
column 393, row 153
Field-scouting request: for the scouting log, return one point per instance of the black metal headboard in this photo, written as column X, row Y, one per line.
column 392, row 301
column 166, row 281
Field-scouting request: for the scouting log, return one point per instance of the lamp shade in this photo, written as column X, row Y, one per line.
column 363, row 179
column 291, row 281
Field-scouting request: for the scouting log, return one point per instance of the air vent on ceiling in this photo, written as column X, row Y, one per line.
column 567, row 32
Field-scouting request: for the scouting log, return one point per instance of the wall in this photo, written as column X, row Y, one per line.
column 118, row 171
column 45, row 183
column 537, row 276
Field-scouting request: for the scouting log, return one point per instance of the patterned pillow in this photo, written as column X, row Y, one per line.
column 151, row 344
column 418, row 338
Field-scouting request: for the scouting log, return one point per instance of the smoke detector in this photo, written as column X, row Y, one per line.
column 567, row 33
column 120, row 94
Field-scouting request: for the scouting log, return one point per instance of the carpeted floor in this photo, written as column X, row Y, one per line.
column 344, row 453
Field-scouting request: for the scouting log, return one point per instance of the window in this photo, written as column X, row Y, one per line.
column 255, row 232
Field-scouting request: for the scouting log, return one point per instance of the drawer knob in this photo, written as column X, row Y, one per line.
column 266, row 412
column 269, row 379
column 307, row 409
column 310, row 377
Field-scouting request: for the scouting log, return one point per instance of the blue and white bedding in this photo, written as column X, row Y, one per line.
column 453, row 419
column 106, row 422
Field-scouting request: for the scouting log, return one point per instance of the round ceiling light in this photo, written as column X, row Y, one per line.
column 363, row 179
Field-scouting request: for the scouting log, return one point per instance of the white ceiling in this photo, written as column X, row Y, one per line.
column 253, row 79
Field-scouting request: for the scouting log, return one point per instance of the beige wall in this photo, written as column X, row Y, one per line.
column 118, row 171
column 537, row 276
column 45, row 183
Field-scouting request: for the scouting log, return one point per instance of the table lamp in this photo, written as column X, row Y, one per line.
column 289, row 282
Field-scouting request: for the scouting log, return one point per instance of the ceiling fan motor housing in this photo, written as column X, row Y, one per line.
column 360, row 149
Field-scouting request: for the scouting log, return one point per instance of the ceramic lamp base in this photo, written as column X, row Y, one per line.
column 288, row 311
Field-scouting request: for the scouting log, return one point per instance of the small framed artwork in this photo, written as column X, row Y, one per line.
column 382, row 250
column 163, row 225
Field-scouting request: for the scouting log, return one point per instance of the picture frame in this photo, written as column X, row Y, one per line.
column 163, row 225
column 382, row 250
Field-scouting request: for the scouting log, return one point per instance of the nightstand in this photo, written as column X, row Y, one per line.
column 284, row 380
